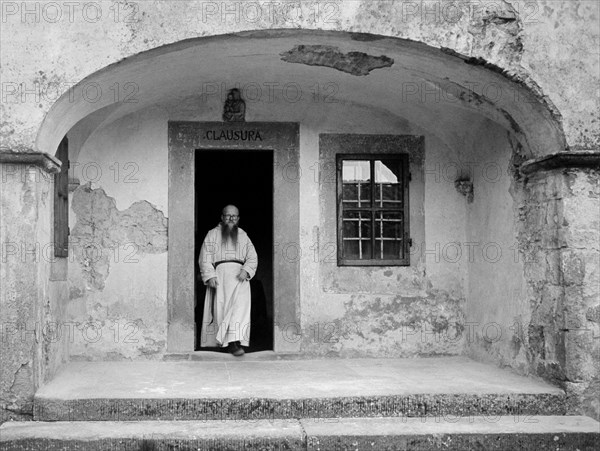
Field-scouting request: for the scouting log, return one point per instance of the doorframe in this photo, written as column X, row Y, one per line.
column 257, row 221
column 187, row 138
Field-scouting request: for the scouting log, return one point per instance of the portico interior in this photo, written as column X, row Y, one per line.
column 477, row 125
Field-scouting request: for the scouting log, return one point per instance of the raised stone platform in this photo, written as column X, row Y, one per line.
column 265, row 402
column 449, row 434
column 244, row 389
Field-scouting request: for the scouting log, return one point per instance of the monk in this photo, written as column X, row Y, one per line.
column 227, row 262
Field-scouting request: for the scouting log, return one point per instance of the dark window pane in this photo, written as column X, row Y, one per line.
column 392, row 250
column 365, row 194
column 388, row 235
column 388, row 186
column 351, row 250
column 350, row 194
column 356, row 235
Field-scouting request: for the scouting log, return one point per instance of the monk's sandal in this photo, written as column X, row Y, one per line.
column 236, row 349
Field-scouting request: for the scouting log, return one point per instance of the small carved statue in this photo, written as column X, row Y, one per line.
column 465, row 187
column 235, row 107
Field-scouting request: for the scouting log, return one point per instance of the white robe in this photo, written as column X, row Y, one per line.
column 230, row 320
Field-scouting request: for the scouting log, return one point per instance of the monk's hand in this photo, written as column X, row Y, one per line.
column 213, row 282
column 243, row 275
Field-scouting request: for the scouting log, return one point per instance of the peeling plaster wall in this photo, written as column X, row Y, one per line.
column 498, row 310
column 344, row 311
column 550, row 45
column 118, row 242
column 118, row 282
column 393, row 311
column 55, row 340
column 32, row 291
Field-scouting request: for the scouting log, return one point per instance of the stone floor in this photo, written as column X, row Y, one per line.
column 286, row 379
column 264, row 401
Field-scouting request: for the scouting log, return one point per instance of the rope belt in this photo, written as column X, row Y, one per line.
column 227, row 261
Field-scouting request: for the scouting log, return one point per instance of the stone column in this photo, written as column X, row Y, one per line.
column 580, row 268
column 567, row 298
column 26, row 207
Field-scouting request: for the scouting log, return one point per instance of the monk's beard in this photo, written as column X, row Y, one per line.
column 229, row 234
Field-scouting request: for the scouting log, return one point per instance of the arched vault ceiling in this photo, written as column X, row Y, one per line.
column 433, row 90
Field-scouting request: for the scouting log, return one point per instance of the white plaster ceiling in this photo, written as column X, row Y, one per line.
column 175, row 76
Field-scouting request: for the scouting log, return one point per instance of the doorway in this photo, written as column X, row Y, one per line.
column 243, row 178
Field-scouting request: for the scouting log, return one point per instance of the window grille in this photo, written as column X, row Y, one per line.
column 372, row 193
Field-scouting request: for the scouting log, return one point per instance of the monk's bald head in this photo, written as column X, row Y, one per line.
column 230, row 210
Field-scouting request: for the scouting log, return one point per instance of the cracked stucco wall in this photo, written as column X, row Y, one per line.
column 118, row 244
column 344, row 313
column 416, row 310
column 31, row 290
column 116, row 298
column 100, row 227
column 550, row 45
column 355, row 63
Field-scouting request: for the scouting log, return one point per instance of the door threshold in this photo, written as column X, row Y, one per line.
column 215, row 356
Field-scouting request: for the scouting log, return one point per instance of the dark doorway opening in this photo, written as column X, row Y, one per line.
column 243, row 178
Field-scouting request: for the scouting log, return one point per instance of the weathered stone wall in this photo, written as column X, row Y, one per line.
column 32, row 341
column 549, row 325
column 580, row 268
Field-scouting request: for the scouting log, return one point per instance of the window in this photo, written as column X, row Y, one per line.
column 372, row 207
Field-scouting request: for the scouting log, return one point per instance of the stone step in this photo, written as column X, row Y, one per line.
column 244, row 390
column 450, row 433
column 240, row 409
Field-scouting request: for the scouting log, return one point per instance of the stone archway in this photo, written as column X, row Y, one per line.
column 424, row 88
column 434, row 92
column 421, row 80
